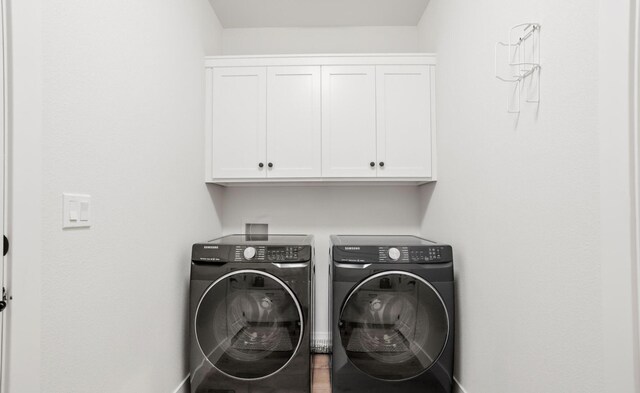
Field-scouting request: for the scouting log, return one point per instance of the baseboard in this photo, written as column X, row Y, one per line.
column 458, row 386
column 321, row 342
column 184, row 385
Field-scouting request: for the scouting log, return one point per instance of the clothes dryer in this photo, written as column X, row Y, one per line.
column 393, row 315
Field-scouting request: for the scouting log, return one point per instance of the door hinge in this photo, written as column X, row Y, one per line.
column 3, row 302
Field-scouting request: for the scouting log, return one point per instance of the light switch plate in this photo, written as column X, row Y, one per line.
column 76, row 211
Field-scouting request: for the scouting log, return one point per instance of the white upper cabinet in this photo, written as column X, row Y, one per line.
column 404, row 121
column 294, row 140
column 338, row 118
column 348, row 121
column 239, row 122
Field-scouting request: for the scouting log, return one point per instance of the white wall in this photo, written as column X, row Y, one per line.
column 21, row 336
column 323, row 211
column 618, row 182
column 518, row 198
column 123, row 114
column 375, row 39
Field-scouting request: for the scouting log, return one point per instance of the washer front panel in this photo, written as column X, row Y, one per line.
column 393, row 325
column 249, row 324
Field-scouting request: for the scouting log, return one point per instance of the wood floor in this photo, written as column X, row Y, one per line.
column 321, row 382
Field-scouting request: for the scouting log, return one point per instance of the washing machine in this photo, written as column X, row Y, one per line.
column 393, row 315
column 250, row 310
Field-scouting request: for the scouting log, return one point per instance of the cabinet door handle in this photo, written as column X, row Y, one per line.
column 261, row 165
column 381, row 163
column 270, row 165
column 372, row 164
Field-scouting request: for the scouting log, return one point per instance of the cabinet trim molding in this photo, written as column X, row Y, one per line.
column 320, row 60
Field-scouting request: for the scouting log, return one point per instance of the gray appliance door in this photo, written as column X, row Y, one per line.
column 393, row 325
column 249, row 324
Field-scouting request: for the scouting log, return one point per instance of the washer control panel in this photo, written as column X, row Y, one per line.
column 393, row 254
column 268, row 253
column 285, row 253
column 250, row 253
column 429, row 254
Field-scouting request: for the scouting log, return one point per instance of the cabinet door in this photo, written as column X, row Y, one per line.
column 404, row 121
column 348, row 121
column 239, row 121
column 293, row 122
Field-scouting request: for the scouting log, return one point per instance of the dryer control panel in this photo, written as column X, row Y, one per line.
column 211, row 253
column 393, row 254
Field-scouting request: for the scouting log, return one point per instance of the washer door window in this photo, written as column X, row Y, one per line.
column 249, row 324
column 394, row 326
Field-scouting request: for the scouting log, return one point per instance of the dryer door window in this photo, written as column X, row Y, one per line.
column 249, row 324
column 394, row 325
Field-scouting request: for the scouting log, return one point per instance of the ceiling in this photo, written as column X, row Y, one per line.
column 318, row 13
